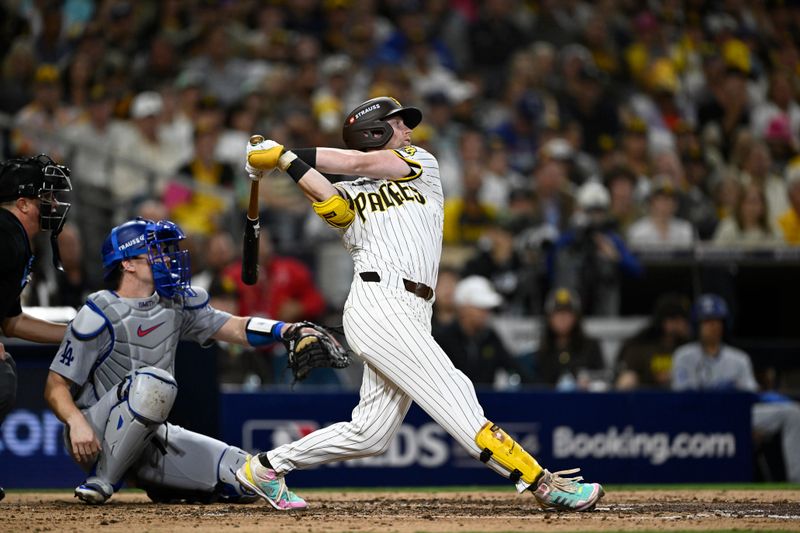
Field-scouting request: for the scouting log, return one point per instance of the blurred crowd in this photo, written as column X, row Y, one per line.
column 571, row 135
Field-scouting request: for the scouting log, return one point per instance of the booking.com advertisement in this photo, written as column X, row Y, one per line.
column 613, row 437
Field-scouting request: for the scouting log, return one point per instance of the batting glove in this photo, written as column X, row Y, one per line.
column 263, row 156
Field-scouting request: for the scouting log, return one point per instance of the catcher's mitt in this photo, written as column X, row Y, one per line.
column 313, row 346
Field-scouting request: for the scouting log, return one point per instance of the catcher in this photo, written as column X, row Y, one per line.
column 111, row 381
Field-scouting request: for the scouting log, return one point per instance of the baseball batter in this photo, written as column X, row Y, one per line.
column 112, row 383
column 391, row 220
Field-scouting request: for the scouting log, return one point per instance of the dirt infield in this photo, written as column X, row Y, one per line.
column 404, row 512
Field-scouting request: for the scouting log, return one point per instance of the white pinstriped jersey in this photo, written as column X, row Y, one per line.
column 398, row 223
column 397, row 232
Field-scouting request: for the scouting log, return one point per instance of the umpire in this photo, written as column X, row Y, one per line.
column 29, row 202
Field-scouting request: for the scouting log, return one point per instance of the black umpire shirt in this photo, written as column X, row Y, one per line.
column 16, row 259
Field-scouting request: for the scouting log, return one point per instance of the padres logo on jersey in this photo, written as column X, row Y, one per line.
column 390, row 194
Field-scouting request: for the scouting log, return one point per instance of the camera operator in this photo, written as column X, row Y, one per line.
column 591, row 257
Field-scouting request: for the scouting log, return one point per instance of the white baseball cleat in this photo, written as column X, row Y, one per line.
column 91, row 493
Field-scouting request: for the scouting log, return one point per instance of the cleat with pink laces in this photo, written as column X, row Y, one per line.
column 269, row 485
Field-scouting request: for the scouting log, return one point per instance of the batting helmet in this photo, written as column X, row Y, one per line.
column 710, row 307
column 365, row 126
column 160, row 242
column 37, row 177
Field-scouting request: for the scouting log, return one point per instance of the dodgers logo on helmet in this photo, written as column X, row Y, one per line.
column 711, row 306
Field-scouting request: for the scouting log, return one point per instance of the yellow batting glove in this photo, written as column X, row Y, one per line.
column 263, row 156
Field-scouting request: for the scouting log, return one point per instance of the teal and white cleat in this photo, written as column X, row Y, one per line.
column 269, row 485
column 556, row 493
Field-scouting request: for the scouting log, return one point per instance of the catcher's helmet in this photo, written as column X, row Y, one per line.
column 38, row 177
column 365, row 126
column 160, row 242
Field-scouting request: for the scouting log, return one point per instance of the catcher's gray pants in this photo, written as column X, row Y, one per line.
column 769, row 419
column 177, row 460
column 390, row 329
column 8, row 386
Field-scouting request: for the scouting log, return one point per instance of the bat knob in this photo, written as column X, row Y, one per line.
column 256, row 139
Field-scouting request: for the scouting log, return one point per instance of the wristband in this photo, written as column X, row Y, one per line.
column 263, row 331
column 297, row 168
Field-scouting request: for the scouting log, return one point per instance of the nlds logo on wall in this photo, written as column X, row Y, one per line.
column 427, row 445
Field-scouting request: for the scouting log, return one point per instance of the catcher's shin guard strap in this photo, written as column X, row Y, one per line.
column 335, row 211
column 498, row 445
column 263, row 331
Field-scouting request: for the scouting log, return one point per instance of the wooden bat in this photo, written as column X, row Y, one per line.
column 251, row 230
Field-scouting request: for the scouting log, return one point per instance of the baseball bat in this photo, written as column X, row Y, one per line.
column 251, row 230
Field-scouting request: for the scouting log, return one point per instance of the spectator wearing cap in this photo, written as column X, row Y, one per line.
column 591, row 257
column 39, row 125
column 727, row 110
column 660, row 228
column 789, row 220
column 634, row 146
column 470, row 341
column 567, row 357
column 645, row 360
column 748, row 227
column 144, row 162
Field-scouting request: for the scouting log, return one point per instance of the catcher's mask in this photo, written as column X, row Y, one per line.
column 39, row 177
column 365, row 127
column 160, row 242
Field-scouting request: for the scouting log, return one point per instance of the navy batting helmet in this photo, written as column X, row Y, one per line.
column 365, row 127
column 710, row 307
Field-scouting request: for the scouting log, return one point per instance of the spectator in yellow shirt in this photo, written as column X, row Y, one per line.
column 789, row 220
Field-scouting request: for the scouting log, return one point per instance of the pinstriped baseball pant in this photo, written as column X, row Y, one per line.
column 391, row 330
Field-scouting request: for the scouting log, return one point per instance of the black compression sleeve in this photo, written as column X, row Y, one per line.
column 308, row 155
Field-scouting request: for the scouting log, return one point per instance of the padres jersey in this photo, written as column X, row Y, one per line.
column 111, row 336
column 398, row 223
